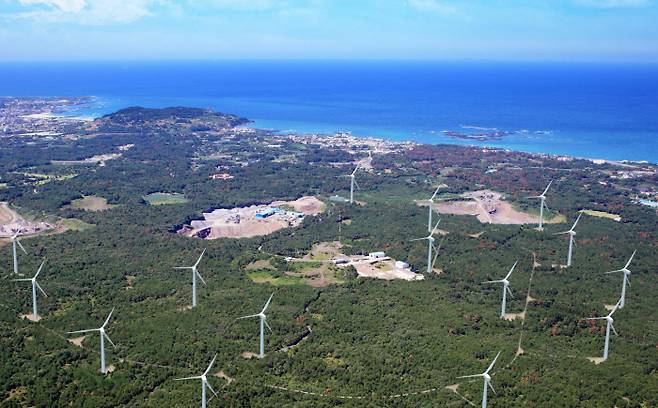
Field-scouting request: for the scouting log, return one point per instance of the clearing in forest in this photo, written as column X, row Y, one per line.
column 165, row 198
column 489, row 207
column 253, row 221
column 91, row 203
column 602, row 214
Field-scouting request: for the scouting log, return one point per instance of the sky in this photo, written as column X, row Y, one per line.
column 496, row 30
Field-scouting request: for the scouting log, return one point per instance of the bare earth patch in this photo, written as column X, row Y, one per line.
column 249, row 355
column 258, row 265
column 77, row 341
column 243, row 222
column 11, row 221
column 609, row 307
column 595, row 360
column 384, row 268
column 513, row 316
column 453, row 387
column 488, row 206
column 30, row 317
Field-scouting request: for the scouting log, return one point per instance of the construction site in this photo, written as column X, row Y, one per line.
column 12, row 222
column 253, row 221
column 489, row 207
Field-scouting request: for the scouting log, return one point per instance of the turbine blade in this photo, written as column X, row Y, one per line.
column 200, row 277
column 22, row 280
column 268, row 303
column 183, row 267
column 268, row 326
column 40, row 288
column 39, row 270
column 21, row 246
column 575, row 223
column 534, row 197
column 436, row 256
column 547, row 187
column 594, row 318
column 492, row 363
column 628, row 281
column 82, row 331
column 615, row 308
column 108, row 318
column 435, row 193
column 212, row 362
column 613, row 329
column 511, row 270
column 562, row 233
column 435, row 227
column 509, row 291
column 187, row 378
column 211, row 389
column 417, row 239
column 356, row 168
column 199, row 260
column 470, row 376
column 618, row 270
column 630, row 260
column 15, row 234
column 247, row 317
column 110, row 340
column 491, row 386
column 356, row 185
column 493, row 281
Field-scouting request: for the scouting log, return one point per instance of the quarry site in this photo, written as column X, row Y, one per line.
column 489, row 207
column 11, row 222
column 253, row 221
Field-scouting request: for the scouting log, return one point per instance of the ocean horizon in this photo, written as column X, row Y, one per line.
column 596, row 111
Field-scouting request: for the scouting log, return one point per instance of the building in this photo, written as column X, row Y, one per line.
column 265, row 213
column 377, row 255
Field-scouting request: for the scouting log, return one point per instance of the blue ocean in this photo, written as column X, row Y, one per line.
column 585, row 110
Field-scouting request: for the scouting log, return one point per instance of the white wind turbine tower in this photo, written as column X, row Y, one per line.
column 430, row 246
column 353, row 183
column 35, row 285
column 506, row 289
column 542, row 205
column 263, row 323
column 195, row 273
column 609, row 320
column 572, row 235
column 204, row 382
column 625, row 280
column 14, row 241
column 487, row 380
column 429, row 219
column 103, row 336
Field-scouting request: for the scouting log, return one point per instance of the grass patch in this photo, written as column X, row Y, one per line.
column 91, row 203
column 602, row 214
column 165, row 199
column 266, row 277
column 74, row 224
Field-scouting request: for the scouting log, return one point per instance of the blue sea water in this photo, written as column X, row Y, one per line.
column 586, row 110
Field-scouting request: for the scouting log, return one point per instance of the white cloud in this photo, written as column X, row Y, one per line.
column 613, row 3
column 67, row 6
column 432, row 6
column 88, row 12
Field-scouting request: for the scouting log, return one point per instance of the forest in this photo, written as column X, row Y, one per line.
column 358, row 343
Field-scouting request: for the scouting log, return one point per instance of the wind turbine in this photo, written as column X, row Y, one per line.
column 103, row 336
column 195, row 273
column 429, row 219
column 353, row 183
column 625, row 281
column 542, row 205
column 263, row 323
column 430, row 245
column 572, row 235
column 506, row 289
column 487, row 381
column 204, row 382
column 35, row 285
column 609, row 320
column 14, row 241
